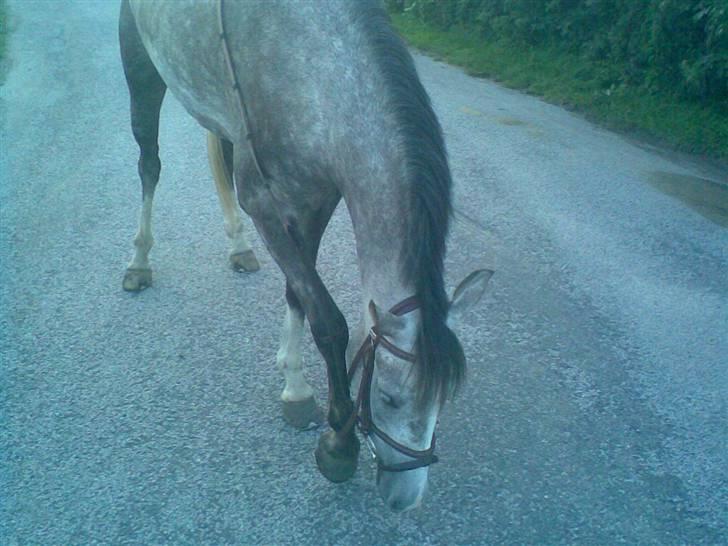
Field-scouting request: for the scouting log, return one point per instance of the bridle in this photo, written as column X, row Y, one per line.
column 361, row 416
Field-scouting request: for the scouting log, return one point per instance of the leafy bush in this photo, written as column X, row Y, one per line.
column 675, row 45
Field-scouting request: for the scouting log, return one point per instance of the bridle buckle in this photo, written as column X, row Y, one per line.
column 373, row 337
column 370, row 444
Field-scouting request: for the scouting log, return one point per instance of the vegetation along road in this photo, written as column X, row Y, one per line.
column 594, row 410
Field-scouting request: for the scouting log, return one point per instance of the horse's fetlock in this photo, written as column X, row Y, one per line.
column 337, row 457
column 282, row 359
column 143, row 241
column 339, row 413
column 233, row 229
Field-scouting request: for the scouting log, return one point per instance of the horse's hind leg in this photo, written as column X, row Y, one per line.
column 146, row 90
column 220, row 154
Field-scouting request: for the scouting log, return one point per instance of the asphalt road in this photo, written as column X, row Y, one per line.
column 595, row 410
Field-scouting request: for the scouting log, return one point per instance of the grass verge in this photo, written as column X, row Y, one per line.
column 572, row 81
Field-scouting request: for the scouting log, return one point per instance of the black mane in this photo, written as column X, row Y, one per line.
column 441, row 361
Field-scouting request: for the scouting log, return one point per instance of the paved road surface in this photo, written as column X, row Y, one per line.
column 595, row 410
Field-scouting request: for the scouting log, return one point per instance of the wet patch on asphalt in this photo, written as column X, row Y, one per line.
column 707, row 197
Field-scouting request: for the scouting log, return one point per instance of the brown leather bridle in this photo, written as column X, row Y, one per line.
column 362, row 414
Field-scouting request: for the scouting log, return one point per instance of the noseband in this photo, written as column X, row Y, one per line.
column 362, row 414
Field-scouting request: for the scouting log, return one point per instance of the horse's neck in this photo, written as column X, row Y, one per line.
column 381, row 273
column 378, row 206
column 383, row 286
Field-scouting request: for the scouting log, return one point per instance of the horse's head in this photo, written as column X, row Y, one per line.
column 399, row 423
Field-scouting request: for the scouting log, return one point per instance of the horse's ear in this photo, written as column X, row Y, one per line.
column 467, row 294
column 387, row 323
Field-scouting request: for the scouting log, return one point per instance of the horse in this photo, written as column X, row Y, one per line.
column 308, row 103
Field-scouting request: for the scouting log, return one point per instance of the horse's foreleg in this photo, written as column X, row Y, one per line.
column 299, row 407
column 293, row 242
column 219, row 153
column 146, row 90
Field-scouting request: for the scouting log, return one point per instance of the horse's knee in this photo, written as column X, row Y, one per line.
column 330, row 331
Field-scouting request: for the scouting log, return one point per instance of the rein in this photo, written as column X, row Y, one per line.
column 238, row 92
column 361, row 416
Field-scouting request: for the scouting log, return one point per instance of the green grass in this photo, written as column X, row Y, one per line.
column 585, row 86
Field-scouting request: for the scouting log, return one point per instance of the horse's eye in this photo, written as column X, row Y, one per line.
column 390, row 401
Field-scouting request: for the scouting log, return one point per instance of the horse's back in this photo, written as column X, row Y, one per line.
column 182, row 39
column 307, row 71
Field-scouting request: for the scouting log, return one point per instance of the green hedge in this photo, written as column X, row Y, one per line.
column 680, row 46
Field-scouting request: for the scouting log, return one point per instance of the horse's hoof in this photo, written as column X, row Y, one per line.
column 244, row 261
column 303, row 414
column 137, row 279
column 337, row 458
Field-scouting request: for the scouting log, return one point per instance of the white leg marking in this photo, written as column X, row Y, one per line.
column 234, row 225
column 289, row 358
column 143, row 240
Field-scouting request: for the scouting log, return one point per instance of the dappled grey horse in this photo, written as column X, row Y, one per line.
column 306, row 103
